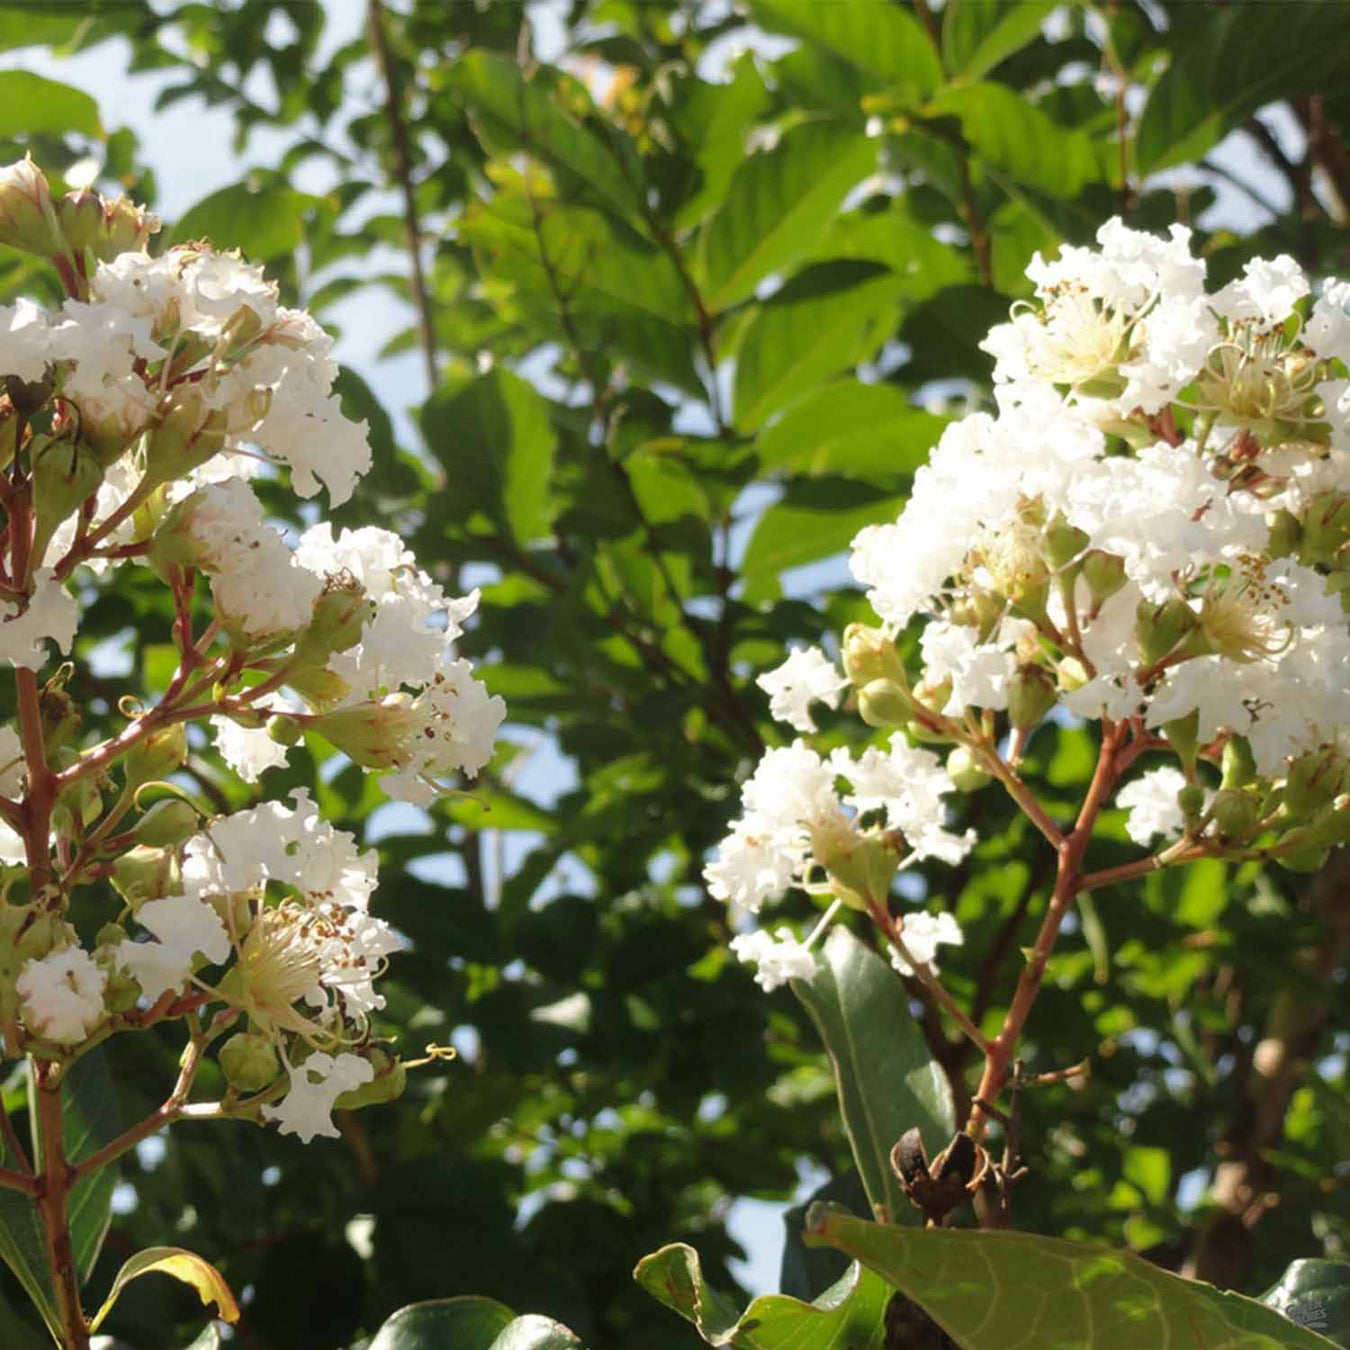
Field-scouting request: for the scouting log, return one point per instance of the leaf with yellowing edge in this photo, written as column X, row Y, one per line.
column 182, row 1265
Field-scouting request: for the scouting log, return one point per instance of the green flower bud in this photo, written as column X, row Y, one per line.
column 965, row 772
column 156, row 756
column 284, row 730
column 1183, row 735
column 860, row 865
column 884, row 703
column 1072, row 674
column 1326, row 528
column 61, row 715
column 249, row 1061
column 319, row 687
column 375, row 735
column 66, row 473
column 1191, row 800
column 340, row 614
column 1063, row 544
column 1286, row 534
column 1239, row 765
column 1104, row 574
column 1236, row 813
column 166, row 823
column 1032, row 692
column 27, row 217
column 186, row 436
column 869, row 654
column 144, row 873
column 388, row 1084
column 1313, row 780
column 1159, row 628
column 126, row 227
column 1300, row 851
column 121, row 993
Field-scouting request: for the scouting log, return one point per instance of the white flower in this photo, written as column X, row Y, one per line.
column 1151, row 801
column 62, row 995
column 751, row 866
column 24, row 340
column 806, row 676
column 922, row 933
column 249, row 751
column 779, row 957
column 315, row 1086
column 51, row 615
column 1327, row 331
column 1264, row 294
column 183, row 926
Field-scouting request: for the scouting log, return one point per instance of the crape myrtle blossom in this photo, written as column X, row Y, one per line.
column 1150, row 527
column 150, row 414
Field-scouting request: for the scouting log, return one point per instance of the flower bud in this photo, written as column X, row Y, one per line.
column 166, row 823
column 884, row 703
column 1300, row 851
column 388, row 1084
column 1191, row 800
column 965, row 772
column 870, row 654
column 1032, row 692
column 1104, row 574
column 284, row 730
column 1236, row 813
column 1313, row 780
column 142, row 874
column 1160, row 627
column 61, row 715
column 1239, row 764
column 186, row 436
column 27, row 216
column 340, row 614
column 1326, row 528
column 1072, row 674
column 1063, row 544
column 249, row 1061
column 126, row 227
column 862, row 866
column 156, row 756
column 1183, row 735
column 319, row 687
column 1286, row 534
column 66, row 473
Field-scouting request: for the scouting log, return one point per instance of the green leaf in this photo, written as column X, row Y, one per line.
column 469, row 1323
column 184, row 1266
column 886, row 1080
column 1013, row 135
column 1230, row 65
column 31, row 105
column 17, row 1333
column 263, row 219
column 978, row 34
column 855, row 430
column 827, row 318
column 777, row 205
column 850, row 1315
column 511, row 113
column 1315, row 1294
column 883, row 40
column 88, row 1121
column 815, row 519
column 494, row 438
column 806, row 1272
column 1058, row 1295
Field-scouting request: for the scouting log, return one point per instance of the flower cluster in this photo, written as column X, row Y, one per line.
column 1150, row 530
column 135, row 421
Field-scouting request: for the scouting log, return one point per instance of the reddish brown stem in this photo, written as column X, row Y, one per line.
column 53, row 1190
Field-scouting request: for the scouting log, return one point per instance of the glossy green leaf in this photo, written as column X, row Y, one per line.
column 1058, row 1295
column 1013, row 135
column 1238, row 60
column 89, row 1120
column 883, row 40
column 827, row 318
column 806, row 1272
column 978, row 34
column 494, row 439
column 512, row 113
column 777, row 205
column 850, row 1315
column 855, row 430
column 32, row 105
column 816, row 519
column 264, row 220
column 470, row 1323
column 1315, row 1294
column 886, row 1080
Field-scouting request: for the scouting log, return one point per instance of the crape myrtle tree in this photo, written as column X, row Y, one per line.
column 988, row 866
